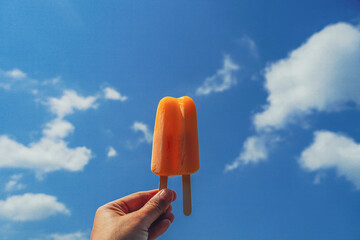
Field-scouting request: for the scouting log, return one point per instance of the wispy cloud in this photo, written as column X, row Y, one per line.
column 52, row 81
column 13, row 184
column 250, row 44
column 5, row 86
column 319, row 177
column 254, row 150
column 111, row 152
column 14, row 79
column 112, row 94
column 142, row 127
column 319, row 76
column 222, row 80
column 31, row 207
column 331, row 150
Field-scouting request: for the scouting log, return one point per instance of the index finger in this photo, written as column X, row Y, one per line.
column 133, row 201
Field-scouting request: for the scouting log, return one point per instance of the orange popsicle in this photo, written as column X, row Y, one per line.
column 175, row 146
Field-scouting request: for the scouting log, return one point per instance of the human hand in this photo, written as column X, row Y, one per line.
column 141, row 216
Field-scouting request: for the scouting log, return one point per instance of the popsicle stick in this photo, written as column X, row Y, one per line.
column 163, row 182
column 186, row 194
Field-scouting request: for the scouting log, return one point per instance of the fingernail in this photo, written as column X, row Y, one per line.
column 166, row 194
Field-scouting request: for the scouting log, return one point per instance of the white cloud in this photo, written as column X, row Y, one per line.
column 69, row 102
column 138, row 126
column 51, row 152
column 30, row 207
column 222, row 80
column 111, row 152
column 112, row 94
column 255, row 149
column 321, row 75
column 13, row 184
column 58, row 128
column 333, row 151
column 15, row 73
column 44, row 156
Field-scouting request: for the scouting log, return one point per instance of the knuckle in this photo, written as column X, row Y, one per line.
column 99, row 211
column 156, row 206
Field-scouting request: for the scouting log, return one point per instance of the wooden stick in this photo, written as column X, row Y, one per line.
column 186, row 194
column 163, row 182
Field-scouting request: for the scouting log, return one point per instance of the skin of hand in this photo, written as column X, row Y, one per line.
column 141, row 216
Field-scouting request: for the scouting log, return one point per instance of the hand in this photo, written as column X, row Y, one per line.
column 139, row 216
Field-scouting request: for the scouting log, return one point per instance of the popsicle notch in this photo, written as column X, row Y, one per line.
column 175, row 144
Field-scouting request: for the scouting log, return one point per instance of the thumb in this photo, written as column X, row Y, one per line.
column 156, row 206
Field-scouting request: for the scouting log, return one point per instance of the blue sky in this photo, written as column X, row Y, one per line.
column 276, row 85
